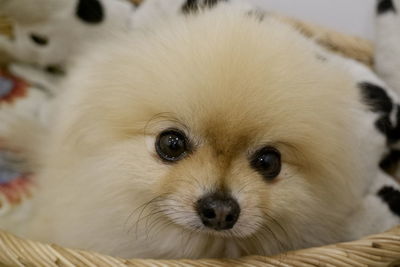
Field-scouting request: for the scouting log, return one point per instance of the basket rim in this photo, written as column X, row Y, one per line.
column 375, row 250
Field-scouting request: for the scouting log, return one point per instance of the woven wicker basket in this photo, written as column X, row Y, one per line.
column 377, row 250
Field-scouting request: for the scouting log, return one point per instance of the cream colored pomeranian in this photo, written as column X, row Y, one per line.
column 219, row 134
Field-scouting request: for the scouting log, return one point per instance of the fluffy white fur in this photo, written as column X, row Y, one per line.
column 233, row 84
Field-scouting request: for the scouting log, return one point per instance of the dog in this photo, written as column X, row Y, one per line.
column 222, row 134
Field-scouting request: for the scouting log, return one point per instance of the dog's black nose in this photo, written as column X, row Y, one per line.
column 218, row 211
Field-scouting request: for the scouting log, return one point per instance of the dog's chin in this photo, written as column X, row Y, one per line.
column 226, row 234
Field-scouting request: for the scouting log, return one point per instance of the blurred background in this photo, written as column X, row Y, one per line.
column 355, row 17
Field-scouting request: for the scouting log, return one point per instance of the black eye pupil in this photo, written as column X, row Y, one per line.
column 267, row 161
column 171, row 145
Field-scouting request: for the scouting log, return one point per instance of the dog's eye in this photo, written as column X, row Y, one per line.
column 171, row 145
column 267, row 161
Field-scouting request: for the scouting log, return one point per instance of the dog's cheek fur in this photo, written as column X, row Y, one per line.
column 119, row 179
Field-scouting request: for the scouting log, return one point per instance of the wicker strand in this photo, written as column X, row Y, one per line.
column 376, row 251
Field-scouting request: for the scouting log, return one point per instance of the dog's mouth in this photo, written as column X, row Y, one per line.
column 212, row 214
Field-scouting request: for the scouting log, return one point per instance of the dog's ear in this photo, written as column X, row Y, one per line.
column 90, row 11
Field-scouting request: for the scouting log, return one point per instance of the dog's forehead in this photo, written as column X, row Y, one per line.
column 225, row 133
column 227, row 127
